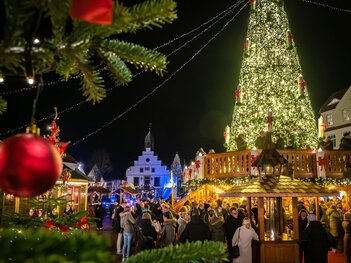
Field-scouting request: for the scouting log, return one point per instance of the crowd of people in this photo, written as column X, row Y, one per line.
column 147, row 225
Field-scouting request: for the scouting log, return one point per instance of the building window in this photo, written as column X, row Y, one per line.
column 147, row 180
column 346, row 114
column 330, row 120
column 141, row 170
column 136, row 181
column 147, row 160
column 157, row 181
column 147, row 168
column 152, row 170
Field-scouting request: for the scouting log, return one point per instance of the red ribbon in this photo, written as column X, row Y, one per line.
column 322, row 162
column 253, row 158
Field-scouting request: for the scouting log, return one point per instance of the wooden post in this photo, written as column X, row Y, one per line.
column 295, row 218
column 17, row 204
column 281, row 215
column 261, row 224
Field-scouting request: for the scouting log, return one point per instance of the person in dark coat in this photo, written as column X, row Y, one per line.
column 260, row 140
column 348, row 244
column 240, row 142
column 317, row 241
column 303, row 221
column 231, row 223
column 216, row 226
column 345, row 143
column 196, row 229
column 146, row 234
column 99, row 215
column 328, row 145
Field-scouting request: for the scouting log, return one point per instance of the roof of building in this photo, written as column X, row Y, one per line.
column 281, row 186
column 333, row 100
column 149, row 139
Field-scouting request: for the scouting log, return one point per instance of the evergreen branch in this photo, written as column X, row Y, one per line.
column 3, row 105
column 117, row 69
column 208, row 251
column 58, row 11
column 11, row 62
column 137, row 55
column 92, row 82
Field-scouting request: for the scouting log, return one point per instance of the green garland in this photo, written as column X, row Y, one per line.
column 231, row 181
column 208, row 251
column 29, row 246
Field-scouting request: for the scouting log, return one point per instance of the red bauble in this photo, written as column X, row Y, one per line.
column 29, row 165
column 93, row 11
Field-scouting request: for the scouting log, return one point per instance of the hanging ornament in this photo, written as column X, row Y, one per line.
column 322, row 162
column 238, row 95
column 289, row 39
column 252, row 4
column 247, row 47
column 93, row 11
column 270, row 121
column 29, row 165
column 301, row 83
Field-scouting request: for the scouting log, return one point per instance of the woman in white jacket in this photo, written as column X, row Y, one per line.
column 243, row 237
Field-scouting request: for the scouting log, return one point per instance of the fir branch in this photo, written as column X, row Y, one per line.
column 137, row 55
column 58, row 11
column 92, row 82
column 3, row 105
column 208, row 251
column 117, row 69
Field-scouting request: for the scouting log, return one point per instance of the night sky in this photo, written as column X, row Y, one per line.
column 191, row 109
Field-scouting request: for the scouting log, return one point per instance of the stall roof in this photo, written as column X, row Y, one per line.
column 129, row 190
column 278, row 187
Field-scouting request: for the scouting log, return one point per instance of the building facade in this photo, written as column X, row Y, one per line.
column 336, row 115
column 148, row 174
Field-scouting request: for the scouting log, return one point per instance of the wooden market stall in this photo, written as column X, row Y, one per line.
column 278, row 222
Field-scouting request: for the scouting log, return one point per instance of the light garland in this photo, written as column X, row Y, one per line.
column 327, row 6
column 221, row 15
column 268, row 78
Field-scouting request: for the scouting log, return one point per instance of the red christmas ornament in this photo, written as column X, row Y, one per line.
column 29, row 165
column 93, row 11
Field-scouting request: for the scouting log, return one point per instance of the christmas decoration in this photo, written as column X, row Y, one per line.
column 321, row 127
column 93, row 11
column 289, row 39
column 253, row 158
column 238, row 95
column 197, row 165
column 38, row 245
column 268, row 76
column 252, row 4
column 246, row 47
column 29, row 165
column 322, row 162
column 301, row 85
column 72, row 49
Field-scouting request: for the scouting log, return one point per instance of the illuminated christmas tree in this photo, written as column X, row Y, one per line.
column 271, row 79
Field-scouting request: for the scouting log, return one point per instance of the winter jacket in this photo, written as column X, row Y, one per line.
column 168, row 232
column 127, row 222
column 335, row 219
column 195, row 230
column 217, row 229
column 146, row 235
column 316, row 250
column 181, row 225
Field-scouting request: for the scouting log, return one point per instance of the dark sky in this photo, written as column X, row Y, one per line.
column 191, row 109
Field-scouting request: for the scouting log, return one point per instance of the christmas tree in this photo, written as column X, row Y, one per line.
column 271, row 80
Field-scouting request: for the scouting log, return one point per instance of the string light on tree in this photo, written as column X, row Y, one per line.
column 269, row 77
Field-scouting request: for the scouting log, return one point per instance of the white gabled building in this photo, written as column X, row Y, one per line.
column 336, row 114
column 148, row 172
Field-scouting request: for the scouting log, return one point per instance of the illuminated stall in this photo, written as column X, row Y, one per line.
column 277, row 198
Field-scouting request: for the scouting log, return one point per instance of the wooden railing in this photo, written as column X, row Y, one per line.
column 303, row 163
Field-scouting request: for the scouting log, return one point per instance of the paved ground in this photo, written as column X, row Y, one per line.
column 112, row 236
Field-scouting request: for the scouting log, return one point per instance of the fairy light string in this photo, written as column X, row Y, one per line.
column 160, row 85
column 222, row 15
column 327, row 6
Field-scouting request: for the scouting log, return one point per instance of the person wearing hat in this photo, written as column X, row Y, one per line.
column 345, row 143
column 243, row 237
column 316, row 250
